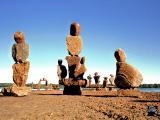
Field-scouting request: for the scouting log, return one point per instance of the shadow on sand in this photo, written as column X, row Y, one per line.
column 145, row 100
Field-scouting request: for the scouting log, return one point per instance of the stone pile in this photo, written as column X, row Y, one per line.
column 127, row 76
column 20, row 53
column 61, row 72
column 111, row 79
column 76, row 64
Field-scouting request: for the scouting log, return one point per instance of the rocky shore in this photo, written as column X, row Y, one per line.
column 92, row 105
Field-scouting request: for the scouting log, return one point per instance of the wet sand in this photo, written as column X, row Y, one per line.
column 92, row 105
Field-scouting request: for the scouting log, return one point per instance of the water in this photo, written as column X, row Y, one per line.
column 150, row 89
column 42, row 89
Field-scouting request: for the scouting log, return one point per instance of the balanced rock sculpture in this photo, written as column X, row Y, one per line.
column 76, row 64
column 20, row 53
column 61, row 72
column 127, row 76
column 111, row 79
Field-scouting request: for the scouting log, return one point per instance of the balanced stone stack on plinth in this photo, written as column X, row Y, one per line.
column 127, row 76
column 76, row 66
column 20, row 53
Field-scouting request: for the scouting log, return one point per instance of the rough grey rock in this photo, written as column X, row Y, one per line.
column 20, row 52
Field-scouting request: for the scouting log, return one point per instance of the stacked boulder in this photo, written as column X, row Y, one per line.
column 127, row 76
column 20, row 53
column 76, row 64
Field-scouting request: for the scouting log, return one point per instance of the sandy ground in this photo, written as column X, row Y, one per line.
column 92, row 105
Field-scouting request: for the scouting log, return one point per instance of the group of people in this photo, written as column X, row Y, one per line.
column 105, row 80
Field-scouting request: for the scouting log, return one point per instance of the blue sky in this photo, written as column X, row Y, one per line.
column 133, row 25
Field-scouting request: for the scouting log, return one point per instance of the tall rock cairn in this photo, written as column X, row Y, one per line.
column 20, row 53
column 76, row 64
column 127, row 76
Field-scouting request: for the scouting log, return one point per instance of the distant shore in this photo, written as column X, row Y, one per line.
column 30, row 84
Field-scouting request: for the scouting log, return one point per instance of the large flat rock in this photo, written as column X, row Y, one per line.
column 74, row 44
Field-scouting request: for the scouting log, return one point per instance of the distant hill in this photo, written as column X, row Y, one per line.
column 150, row 86
column 5, row 84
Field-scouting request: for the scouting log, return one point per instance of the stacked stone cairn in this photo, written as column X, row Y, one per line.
column 111, row 79
column 76, row 64
column 127, row 76
column 20, row 53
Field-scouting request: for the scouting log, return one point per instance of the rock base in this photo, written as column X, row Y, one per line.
column 72, row 90
column 14, row 90
column 20, row 91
